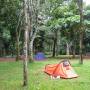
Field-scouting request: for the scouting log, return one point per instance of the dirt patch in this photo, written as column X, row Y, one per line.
column 7, row 59
column 12, row 59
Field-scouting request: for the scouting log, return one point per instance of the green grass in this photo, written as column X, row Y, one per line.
column 11, row 77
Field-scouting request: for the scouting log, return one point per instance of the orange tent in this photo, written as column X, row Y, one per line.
column 63, row 69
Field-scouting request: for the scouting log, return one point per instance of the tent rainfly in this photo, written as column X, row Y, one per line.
column 62, row 69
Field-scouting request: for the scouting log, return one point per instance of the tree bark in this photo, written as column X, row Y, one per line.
column 17, row 48
column 58, row 42
column 81, row 47
column 31, row 47
column 74, row 43
column 54, row 45
column 67, row 49
column 81, row 30
column 33, row 20
column 25, row 69
column 17, row 38
column 74, row 51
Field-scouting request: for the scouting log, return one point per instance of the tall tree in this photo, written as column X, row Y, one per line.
column 80, row 4
column 33, row 13
column 26, row 28
column 18, row 32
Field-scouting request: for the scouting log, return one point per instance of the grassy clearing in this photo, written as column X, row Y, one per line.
column 11, row 77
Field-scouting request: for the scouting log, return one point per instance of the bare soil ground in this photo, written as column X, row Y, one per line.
column 5, row 59
column 12, row 59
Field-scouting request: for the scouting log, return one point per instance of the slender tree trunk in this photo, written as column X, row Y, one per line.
column 67, row 49
column 31, row 45
column 81, row 47
column 58, row 42
column 74, row 43
column 49, row 49
column 25, row 69
column 54, row 48
column 31, row 50
column 17, row 47
column 74, row 51
column 54, row 45
column 33, row 20
column 17, row 37
column 30, row 31
column 81, row 30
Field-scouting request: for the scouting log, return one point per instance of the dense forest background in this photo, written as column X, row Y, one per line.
column 54, row 27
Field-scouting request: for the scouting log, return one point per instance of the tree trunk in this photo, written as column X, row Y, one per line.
column 33, row 20
column 81, row 47
column 67, row 49
column 31, row 51
column 17, row 38
column 81, row 30
column 31, row 33
column 54, row 45
column 58, row 42
column 74, row 51
column 25, row 71
column 54, row 48
column 74, row 43
column 17, row 47
column 26, row 27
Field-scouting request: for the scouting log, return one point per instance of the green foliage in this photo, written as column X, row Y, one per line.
column 73, row 19
column 6, row 35
column 9, row 15
column 59, row 11
column 53, row 16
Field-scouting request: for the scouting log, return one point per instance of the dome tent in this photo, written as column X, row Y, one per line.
column 39, row 56
column 62, row 69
